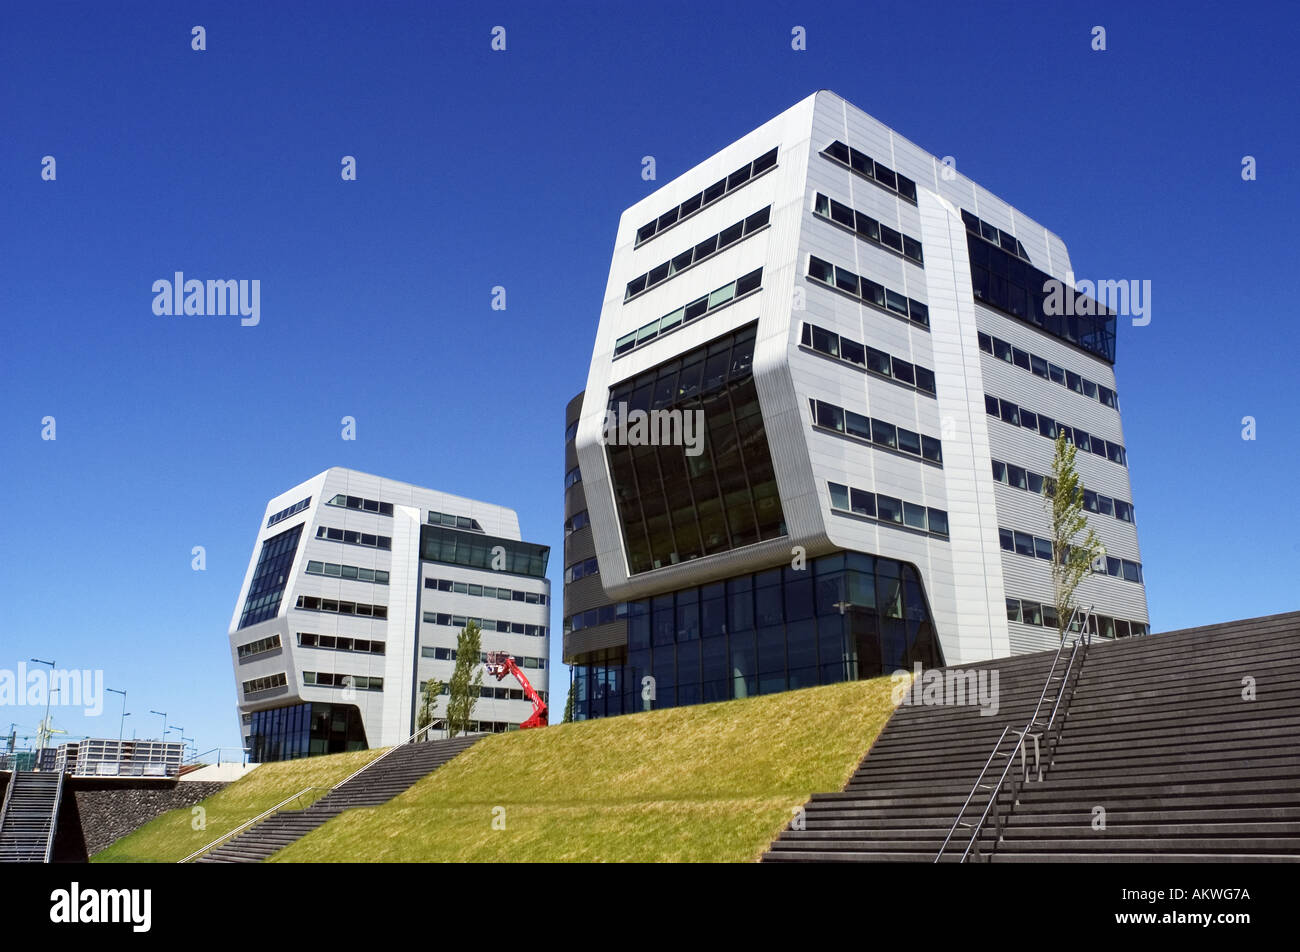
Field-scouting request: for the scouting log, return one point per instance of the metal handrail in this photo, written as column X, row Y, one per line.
column 1010, row 760
column 1002, row 780
column 305, row 790
column 245, row 825
column 54, row 817
column 194, row 758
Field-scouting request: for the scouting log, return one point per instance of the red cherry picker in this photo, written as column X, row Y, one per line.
column 501, row 663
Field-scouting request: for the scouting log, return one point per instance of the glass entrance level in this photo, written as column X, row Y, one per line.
column 845, row 617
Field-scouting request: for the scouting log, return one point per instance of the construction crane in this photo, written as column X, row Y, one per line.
column 501, row 663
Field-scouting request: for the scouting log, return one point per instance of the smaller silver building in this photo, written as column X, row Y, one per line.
column 355, row 593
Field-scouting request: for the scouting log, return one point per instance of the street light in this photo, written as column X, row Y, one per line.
column 42, row 735
column 121, row 723
column 163, row 715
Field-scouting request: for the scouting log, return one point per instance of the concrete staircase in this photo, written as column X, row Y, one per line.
column 397, row 772
column 29, row 816
column 1157, row 734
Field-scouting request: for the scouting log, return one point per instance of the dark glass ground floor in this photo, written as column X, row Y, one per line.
column 305, row 730
column 840, row 618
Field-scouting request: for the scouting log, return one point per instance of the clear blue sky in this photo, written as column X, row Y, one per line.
column 478, row 168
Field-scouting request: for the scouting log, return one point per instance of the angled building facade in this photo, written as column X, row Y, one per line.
column 867, row 339
column 354, row 596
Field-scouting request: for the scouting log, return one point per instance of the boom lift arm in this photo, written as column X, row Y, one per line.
column 501, row 663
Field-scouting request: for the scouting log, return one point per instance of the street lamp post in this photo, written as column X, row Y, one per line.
column 121, row 724
column 163, row 715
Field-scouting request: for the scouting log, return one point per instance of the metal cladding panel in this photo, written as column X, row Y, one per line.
column 974, row 603
column 596, row 638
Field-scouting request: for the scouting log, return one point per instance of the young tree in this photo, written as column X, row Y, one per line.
column 1074, row 545
column 466, row 680
column 568, row 704
column 432, row 688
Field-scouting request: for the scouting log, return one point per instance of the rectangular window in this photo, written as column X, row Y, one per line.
column 839, row 496
column 1024, row 543
column 889, row 509
column 1013, row 609
column 914, row 515
column 1043, row 548
column 863, row 503
column 909, row 442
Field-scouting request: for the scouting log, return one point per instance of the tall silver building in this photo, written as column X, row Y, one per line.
column 868, row 337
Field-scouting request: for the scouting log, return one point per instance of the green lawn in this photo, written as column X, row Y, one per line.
column 708, row 783
column 170, row 837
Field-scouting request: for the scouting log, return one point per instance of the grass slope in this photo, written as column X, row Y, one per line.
column 170, row 837
column 708, row 783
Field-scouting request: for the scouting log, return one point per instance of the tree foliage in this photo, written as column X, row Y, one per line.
column 1074, row 544
column 432, row 688
column 466, row 680
column 570, row 702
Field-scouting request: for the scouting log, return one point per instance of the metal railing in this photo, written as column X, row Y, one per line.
column 195, row 758
column 247, row 824
column 244, row 827
column 54, row 817
column 1050, row 732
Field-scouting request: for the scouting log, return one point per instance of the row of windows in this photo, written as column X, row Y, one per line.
column 868, row 358
column 872, row 171
column 510, row 556
column 1007, row 242
column 307, row 639
column 867, row 228
column 693, row 256
column 714, row 300
column 354, row 538
column 1119, row 568
column 592, row 617
column 487, row 624
column 1009, row 412
column 450, row 654
column 1034, row 613
column 701, row 200
column 1020, row 478
column 361, row 505
column 868, row 291
column 258, row 647
column 581, row 570
column 1007, row 282
column 270, row 682
column 284, row 514
column 454, row 522
column 270, row 576
column 572, row 476
column 486, row 591
column 1023, row 543
column 358, row 682
column 314, row 603
column 571, row 431
column 360, row 573
column 1040, row 367
column 888, row 510
column 579, row 520
column 831, row 417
